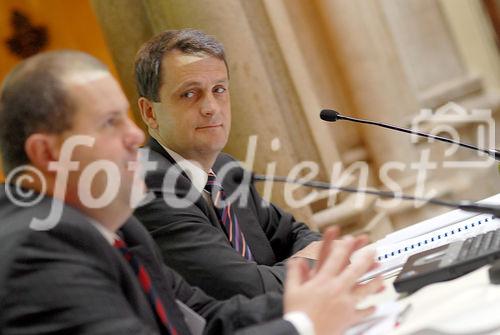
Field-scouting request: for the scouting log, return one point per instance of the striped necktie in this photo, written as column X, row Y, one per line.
column 227, row 217
column 147, row 286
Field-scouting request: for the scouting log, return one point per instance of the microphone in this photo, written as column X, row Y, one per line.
column 330, row 115
column 467, row 206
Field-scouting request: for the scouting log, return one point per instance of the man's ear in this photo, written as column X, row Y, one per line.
column 148, row 114
column 41, row 149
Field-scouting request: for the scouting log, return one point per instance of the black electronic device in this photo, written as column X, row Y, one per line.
column 449, row 261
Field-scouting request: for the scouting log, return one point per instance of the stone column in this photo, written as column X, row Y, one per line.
column 126, row 26
column 472, row 30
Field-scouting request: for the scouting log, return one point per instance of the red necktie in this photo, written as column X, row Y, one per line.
column 147, row 286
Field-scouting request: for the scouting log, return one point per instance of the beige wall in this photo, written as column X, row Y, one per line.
column 382, row 60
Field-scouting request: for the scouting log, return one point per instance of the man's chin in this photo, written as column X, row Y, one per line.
column 212, row 150
column 215, row 144
column 138, row 193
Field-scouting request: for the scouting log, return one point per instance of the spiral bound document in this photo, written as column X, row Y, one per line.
column 458, row 231
column 393, row 251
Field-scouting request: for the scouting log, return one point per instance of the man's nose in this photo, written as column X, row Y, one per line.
column 209, row 105
column 135, row 136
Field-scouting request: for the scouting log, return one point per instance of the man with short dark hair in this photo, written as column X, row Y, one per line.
column 223, row 245
column 74, row 261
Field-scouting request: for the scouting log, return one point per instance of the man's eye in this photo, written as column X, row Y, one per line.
column 220, row 89
column 188, row 94
column 111, row 122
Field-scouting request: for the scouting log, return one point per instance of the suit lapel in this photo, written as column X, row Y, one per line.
column 142, row 246
column 130, row 287
column 250, row 226
column 183, row 184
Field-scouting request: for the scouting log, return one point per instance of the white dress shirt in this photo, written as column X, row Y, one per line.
column 105, row 232
column 195, row 172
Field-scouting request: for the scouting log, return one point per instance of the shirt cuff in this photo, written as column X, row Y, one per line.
column 301, row 322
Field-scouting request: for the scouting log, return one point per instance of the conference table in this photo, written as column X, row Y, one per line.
column 469, row 304
column 466, row 305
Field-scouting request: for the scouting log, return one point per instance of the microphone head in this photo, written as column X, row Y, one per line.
column 242, row 176
column 238, row 176
column 329, row 115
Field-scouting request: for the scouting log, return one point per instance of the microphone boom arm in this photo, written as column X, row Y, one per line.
column 333, row 116
column 492, row 153
column 467, row 206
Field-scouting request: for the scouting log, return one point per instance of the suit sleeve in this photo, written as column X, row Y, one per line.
column 191, row 245
column 285, row 234
column 87, row 299
column 237, row 315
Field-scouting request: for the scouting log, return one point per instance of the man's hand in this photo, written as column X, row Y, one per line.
column 329, row 293
column 312, row 250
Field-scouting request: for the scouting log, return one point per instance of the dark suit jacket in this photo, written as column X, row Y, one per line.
column 193, row 243
column 70, row 280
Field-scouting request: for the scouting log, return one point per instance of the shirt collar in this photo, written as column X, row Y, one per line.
column 196, row 174
column 105, row 232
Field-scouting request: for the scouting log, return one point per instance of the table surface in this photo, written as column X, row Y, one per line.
column 466, row 305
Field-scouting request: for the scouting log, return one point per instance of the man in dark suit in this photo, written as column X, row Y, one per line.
column 239, row 247
column 73, row 260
